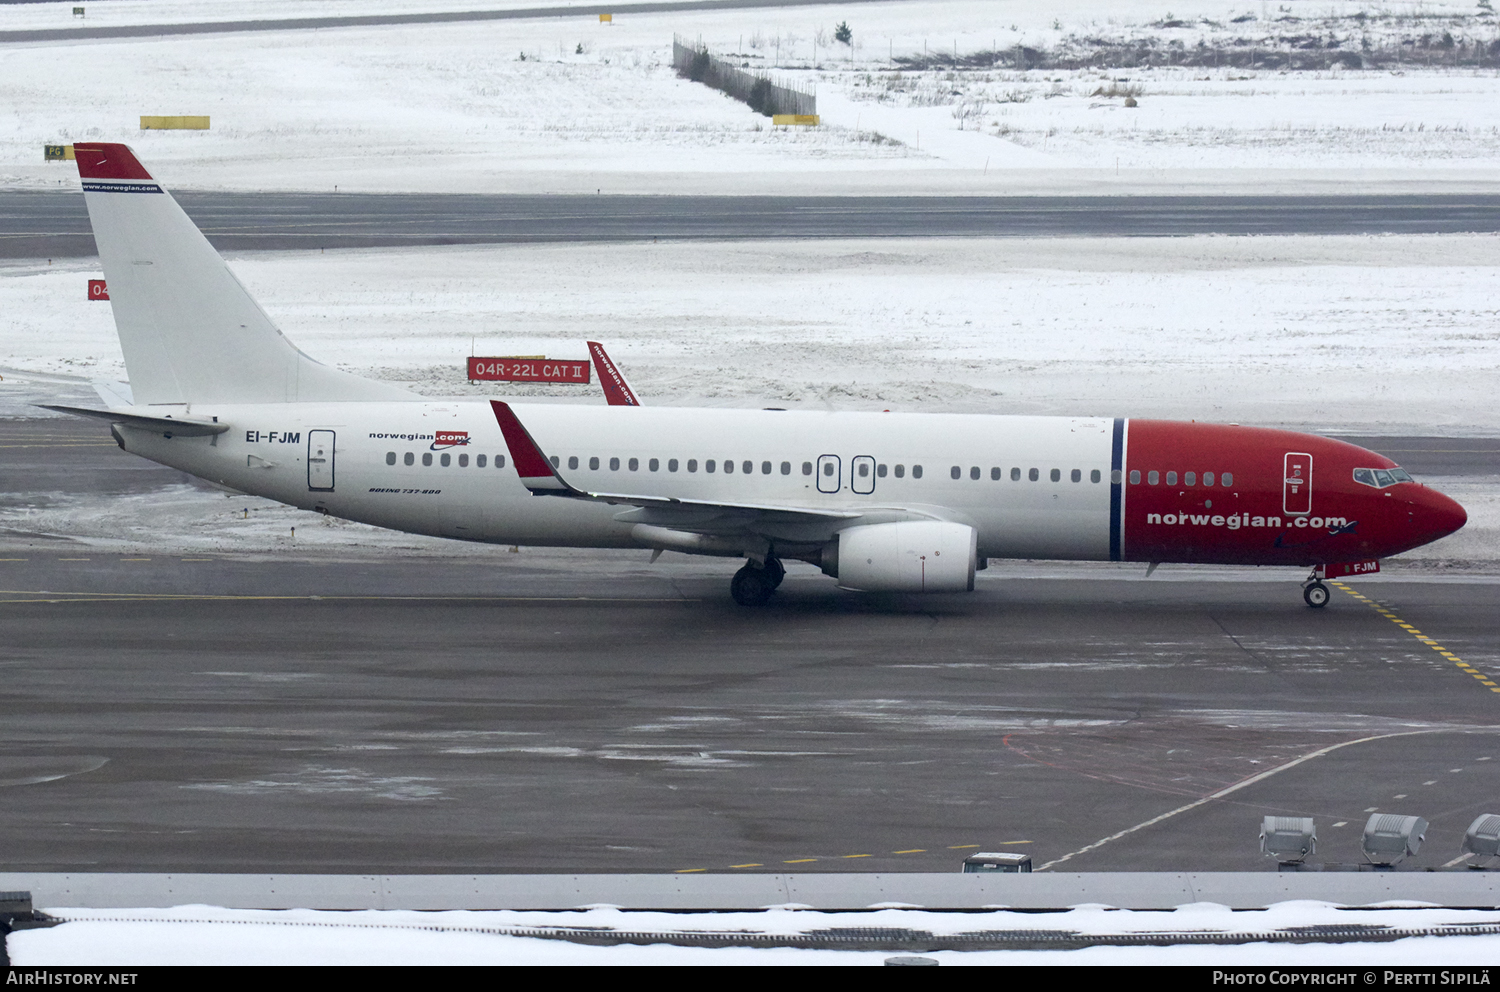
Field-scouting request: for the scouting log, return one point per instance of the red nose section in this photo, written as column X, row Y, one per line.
column 1434, row 515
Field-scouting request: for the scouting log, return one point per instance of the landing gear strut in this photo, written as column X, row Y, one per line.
column 754, row 584
column 1314, row 592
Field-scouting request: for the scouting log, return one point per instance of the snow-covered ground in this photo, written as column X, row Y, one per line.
column 206, row 935
column 568, row 104
column 1373, row 334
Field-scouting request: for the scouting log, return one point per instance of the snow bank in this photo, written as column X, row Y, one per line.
column 205, row 935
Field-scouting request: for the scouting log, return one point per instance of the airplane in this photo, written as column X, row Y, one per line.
column 881, row 502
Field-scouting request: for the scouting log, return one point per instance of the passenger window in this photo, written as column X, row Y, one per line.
column 1033, row 475
column 1226, row 479
column 554, row 461
column 900, row 471
column 974, row 472
column 446, row 459
column 786, row 468
column 463, row 461
column 654, row 464
column 634, row 464
column 1094, row 476
column 828, row 469
column 1171, row 478
column 1208, row 478
column 709, row 465
column 1015, row 475
column 409, row 458
column 749, row 467
column 594, row 464
column 390, row 458
column 916, row 471
column 426, row 458
column 614, row 464
column 1190, row 478
column 693, row 464
column 880, row 470
column 671, row 464
column 1056, row 475
column 1135, row 477
column 994, row 474
column 765, row 468
column 864, row 470
column 956, row 472
column 807, row 468
column 1153, row 477
column 572, row 461
column 1114, row 476
column 499, row 461
column 479, row 461
column 1077, row 476
column 728, row 466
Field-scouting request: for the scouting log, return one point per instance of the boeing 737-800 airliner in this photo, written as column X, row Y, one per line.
column 880, row 501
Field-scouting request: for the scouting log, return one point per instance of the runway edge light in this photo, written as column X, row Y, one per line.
column 1288, row 839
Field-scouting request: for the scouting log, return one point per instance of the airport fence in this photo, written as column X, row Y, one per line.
column 693, row 61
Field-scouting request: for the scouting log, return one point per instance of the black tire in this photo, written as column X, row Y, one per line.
column 751, row 586
column 776, row 571
column 1316, row 594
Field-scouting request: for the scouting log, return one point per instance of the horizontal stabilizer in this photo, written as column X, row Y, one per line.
column 168, row 426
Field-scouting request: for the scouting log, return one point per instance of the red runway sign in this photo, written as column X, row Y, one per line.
column 97, row 290
column 528, row 370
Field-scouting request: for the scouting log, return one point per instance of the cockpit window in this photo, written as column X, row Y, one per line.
column 1379, row 478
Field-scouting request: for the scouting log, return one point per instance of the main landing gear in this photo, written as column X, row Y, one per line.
column 754, row 584
column 1314, row 592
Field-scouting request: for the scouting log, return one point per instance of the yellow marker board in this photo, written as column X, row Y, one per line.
column 174, row 123
column 606, row 18
column 57, row 153
column 809, row 120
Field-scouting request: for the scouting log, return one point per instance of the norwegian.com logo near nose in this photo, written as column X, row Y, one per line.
column 449, row 439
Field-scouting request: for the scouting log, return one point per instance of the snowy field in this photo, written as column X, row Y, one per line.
column 206, row 935
column 568, row 104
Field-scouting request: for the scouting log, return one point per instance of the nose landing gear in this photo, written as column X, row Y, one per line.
column 754, row 584
column 1314, row 592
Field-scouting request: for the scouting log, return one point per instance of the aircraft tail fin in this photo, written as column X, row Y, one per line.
column 189, row 330
column 617, row 391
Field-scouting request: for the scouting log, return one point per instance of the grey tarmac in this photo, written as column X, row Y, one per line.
column 580, row 711
column 54, row 224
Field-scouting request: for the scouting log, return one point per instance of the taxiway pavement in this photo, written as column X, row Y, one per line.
column 578, row 711
column 54, row 224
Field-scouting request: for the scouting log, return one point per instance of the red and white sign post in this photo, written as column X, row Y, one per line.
column 97, row 290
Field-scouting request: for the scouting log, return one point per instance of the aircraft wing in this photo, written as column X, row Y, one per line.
column 705, row 516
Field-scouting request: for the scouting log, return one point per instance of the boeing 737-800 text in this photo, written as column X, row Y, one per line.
column 880, row 501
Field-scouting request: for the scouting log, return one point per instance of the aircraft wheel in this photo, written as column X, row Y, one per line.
column 1316, row 594
column 775, row 571
column 751, row 586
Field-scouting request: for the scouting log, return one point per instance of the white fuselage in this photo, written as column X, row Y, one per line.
column 796, row 458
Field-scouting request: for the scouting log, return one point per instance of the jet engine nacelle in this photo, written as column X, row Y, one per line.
column 908, row 556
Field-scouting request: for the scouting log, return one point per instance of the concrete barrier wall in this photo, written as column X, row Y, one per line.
column 830, row 891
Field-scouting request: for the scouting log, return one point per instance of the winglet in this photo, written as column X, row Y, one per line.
column 535, row 470
column 617, row 391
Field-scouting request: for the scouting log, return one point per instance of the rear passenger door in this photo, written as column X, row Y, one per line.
column 862, row 474
column 830, row 474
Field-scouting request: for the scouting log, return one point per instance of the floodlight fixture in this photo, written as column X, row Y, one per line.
column 1389, row 838
column 1288, row 839
column 1006, row 861
column 1482, row 839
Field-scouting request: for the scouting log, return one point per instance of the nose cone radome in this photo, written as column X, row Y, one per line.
column 1434, row 515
